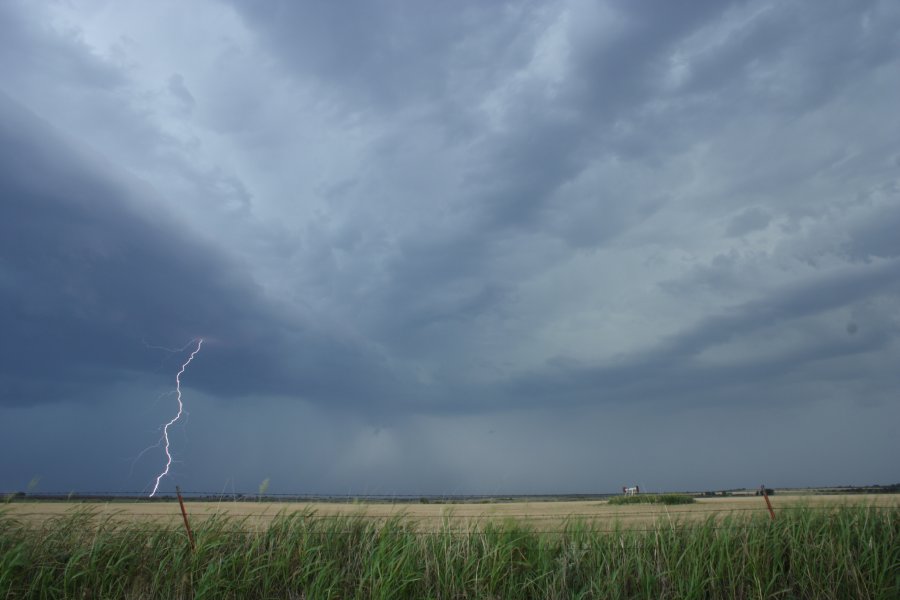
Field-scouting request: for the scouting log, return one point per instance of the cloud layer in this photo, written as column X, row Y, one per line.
column 442, row 233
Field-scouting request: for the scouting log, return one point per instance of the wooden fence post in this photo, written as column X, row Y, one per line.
column 765, row 495
column 187, row 525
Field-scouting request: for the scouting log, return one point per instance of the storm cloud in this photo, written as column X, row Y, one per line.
column 437, row 248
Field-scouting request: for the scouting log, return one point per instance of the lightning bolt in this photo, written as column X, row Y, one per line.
column 178, row 416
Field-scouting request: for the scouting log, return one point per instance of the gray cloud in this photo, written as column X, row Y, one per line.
column 90, row 272
column 751, row 219
column 393, row 54
column 696, row 360
column 181, row 92
column 402, row 227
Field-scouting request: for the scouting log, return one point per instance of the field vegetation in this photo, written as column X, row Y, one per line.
column 653, row 499
column 842, row 552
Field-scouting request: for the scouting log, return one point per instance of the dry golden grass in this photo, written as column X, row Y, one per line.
column 541, row 515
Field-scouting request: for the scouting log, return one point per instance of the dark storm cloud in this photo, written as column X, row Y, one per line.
column 510, row 176
column 89, row 273
column 402, row 226
column 383, row 59
column 615, row 76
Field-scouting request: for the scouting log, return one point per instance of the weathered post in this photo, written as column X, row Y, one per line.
column 187, row 525
column 765, row 494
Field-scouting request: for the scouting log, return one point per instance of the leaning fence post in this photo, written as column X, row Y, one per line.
column 187, row 525
column 765, row 494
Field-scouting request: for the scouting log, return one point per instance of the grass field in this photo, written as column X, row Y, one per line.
column 818, row 547
column 540, row 515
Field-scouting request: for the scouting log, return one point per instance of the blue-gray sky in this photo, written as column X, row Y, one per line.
column 469, row 247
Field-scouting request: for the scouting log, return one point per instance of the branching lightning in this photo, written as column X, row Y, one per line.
column 177, row 416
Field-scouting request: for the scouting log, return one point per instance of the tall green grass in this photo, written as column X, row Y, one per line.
column 850, row 552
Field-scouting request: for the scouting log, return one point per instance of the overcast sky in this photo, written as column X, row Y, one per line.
column 450, row 247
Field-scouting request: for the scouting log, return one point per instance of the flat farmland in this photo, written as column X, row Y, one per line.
column 544, row 515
